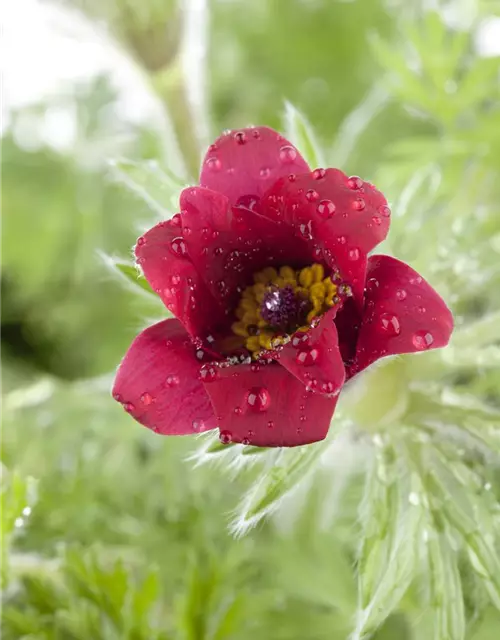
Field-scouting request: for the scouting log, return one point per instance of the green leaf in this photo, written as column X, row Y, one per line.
column 158, row 188
column 301, row 134
column 392, row 518
column 285, row 470
column 128, row 273
column 445, row 587
column 482, row 332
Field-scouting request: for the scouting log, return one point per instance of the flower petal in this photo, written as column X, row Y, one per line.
column 228, row 244
column 161, row 253
column 157, row 382
column 243, row 164
column 314, row 357
column 344, row 218
column 266, row 406
column 403, row 314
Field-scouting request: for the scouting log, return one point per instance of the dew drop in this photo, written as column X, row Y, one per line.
column 422, row 340
column 198, row 424
column 384, row 211
column 270, row 424
column 353, row 254
column 255, row 367
column 341, row 239
column 306, row 230
column 258, row 399
column 117, row 397
column 326, row 209
column 240, row 137
column 318, row 174
column 178, row 246
column 172, row 380
column 287, row 154
column 238, row 411
column 225, row 437
column 328, row 387
column 265, row 172
column 214, row 164
column 129, row 407
column 377, row 220
column 301, row 340
column 141, row 241
column 307, row 358
column 389, row 324
column 218, row 251
column 372, row 284
column 311, row 195
column 208, row 373
column 175, row 280
column 146, row 399
column 245, row 441
column 176, row 220
column 292, row 177
column 354, row 183
column 416, row 280
column 359, row 204
column 401, row 294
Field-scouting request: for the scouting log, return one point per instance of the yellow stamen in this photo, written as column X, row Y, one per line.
column 308, row 283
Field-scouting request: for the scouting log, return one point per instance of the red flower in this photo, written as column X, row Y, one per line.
column 266, row 269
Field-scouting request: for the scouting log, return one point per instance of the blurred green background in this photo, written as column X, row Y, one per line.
column 109, row 531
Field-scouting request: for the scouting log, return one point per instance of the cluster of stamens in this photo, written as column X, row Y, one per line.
column 280, row 303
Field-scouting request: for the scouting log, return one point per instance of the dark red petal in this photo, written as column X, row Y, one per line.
column 243, row 164
column 266, row 406
column 157, row 382
column 403, row 313
column 314, row 357
column 344, row 218
column 228, row 244
column 162, row 255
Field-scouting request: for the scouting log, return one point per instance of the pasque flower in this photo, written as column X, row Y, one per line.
column 277, row 302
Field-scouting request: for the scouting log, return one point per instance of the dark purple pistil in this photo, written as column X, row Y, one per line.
column 283, row 309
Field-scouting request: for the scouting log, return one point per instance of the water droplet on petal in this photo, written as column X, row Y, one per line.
column 264, row 173
column 240, row 137
column 422, row 340
column 198, row 424
column 372, row 284
column 258, row 399
column 287, row 154
column 147, row 399
column 401, row 294
column 129, row 407
column 326, row 209
column 306, row 230
column 312, row 195
column 178, row 246
column 359, row 204
column 292, row 177
column 172, row 380
column 141, row 241
column 416, row 280
column 175, row 280
column 117, row 397
column 384, row 211
column 353, row 254
column 354, row 183
column 270, row 424
column 300, row 339
column 208, row 373
column 214, row 164
column 238, row 411
column 254, row 367
column 318, row 174
column 245, row 441
column 225, row 437
column 328, row 388
column 389, row 324
column 341, row 239
column 218, row 251
column 307, row 358
column 377, row 220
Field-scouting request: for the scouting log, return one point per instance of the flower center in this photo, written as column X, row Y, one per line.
column 283, row 302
